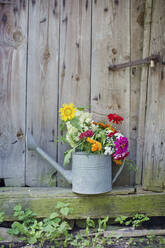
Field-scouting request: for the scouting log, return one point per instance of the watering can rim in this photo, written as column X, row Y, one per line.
column 89, row 154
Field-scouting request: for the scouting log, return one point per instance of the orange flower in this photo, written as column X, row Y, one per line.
column 119, row 162
column 101, row 124
column 91, row 140
column 96, row 147
column 99, row 146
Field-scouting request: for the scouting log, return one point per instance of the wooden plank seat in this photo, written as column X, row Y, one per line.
column 120, row 201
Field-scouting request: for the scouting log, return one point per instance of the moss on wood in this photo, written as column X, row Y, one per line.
column 118, row 202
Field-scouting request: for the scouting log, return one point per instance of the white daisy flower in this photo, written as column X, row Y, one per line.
column 108, row 150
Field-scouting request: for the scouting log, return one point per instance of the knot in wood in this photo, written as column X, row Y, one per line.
column 17, row 36
column 77, row 77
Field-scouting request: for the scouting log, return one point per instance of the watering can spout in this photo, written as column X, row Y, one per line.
column 31, row 144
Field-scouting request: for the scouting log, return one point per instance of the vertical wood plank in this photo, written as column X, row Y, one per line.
column 137, row 30
column 154, row 146
column 42, row 88
column 143, row 90
column 75, row 39
column 110, row 91
column 13, row 46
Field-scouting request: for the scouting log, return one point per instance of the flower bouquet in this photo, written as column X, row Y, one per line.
column 83, row 134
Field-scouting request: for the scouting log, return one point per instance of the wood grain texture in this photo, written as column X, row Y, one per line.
column 143, row 90
column 154, row 146
column 110, row 91
column 13, row 46
column 75, row 40
column 137, row 30
column 43, row 202
column 42, row 88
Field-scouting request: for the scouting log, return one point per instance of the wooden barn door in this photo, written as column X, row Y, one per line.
column 13, row 48
column 54, row 52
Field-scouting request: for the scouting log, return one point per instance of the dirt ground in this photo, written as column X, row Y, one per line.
column 142, row 242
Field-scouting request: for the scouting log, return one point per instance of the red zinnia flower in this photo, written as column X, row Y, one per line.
column 88, row 133
column 110, row 135
column 115, row 118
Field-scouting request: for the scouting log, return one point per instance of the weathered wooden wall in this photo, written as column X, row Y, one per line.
column 58, row 51
column 13, row 62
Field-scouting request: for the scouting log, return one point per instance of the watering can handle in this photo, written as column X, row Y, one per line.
column 119, row 171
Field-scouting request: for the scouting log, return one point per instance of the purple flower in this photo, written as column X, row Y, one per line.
column 121, row 146
column 120, row 156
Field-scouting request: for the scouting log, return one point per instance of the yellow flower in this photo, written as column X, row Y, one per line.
column 67, row 112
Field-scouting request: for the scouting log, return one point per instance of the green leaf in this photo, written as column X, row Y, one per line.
column 75, row 123
column 63, row 139
column 68, row 155
column 32, row 240
column 64, row 211
column 61, row 205
column 17, row 208
column 1, row 217
column 54, row 215
column 62, row 125
column 83, row 108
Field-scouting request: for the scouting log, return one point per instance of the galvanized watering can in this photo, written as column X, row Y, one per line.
column 91, row 173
